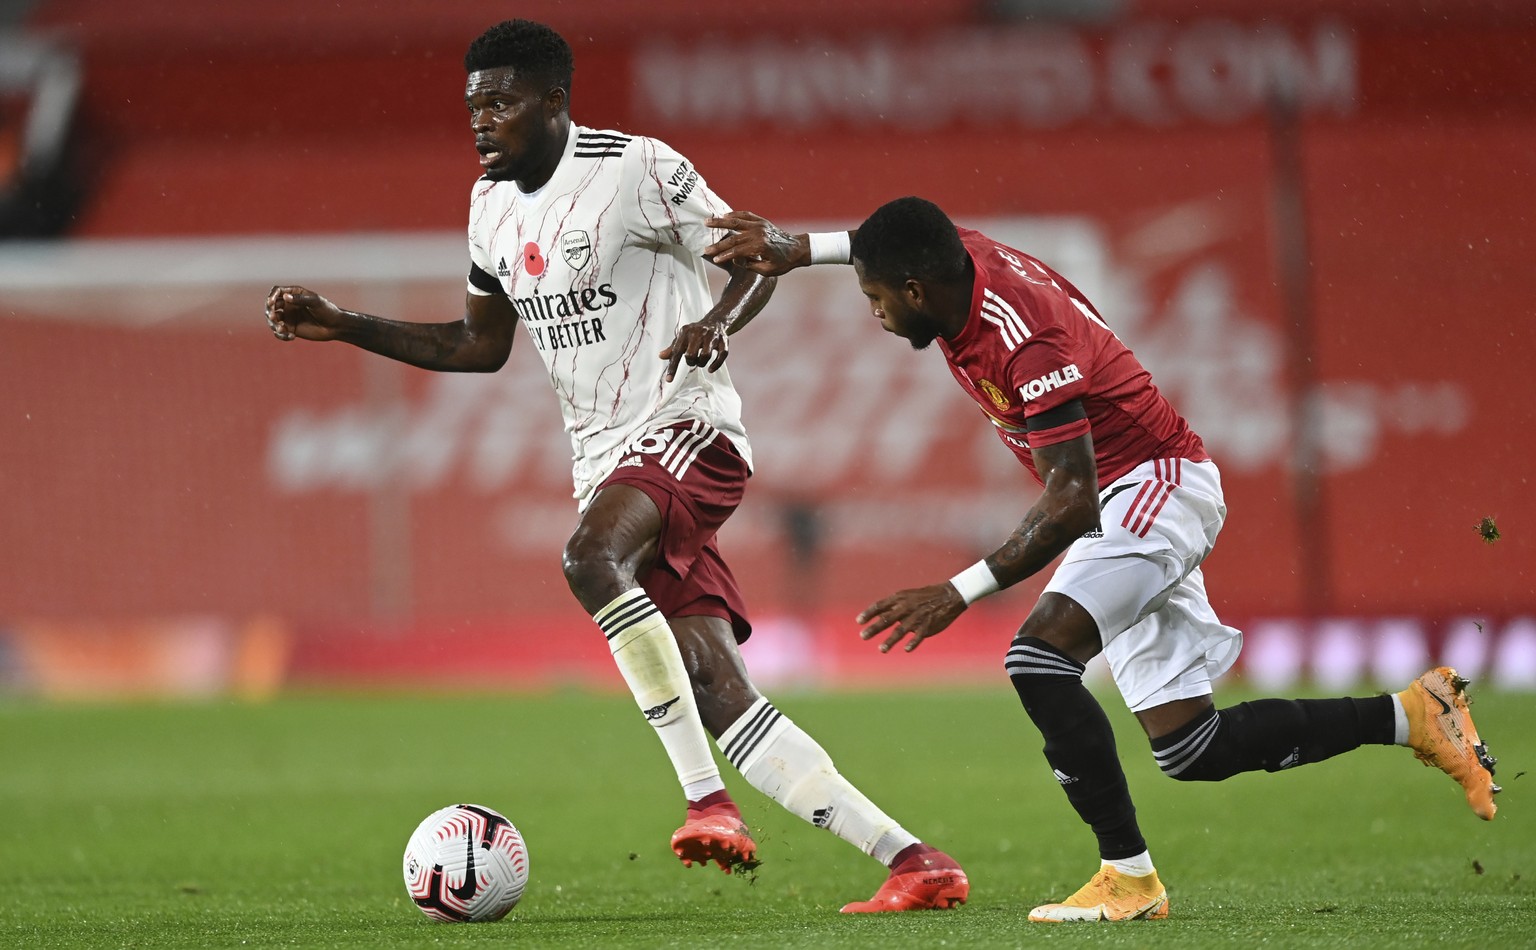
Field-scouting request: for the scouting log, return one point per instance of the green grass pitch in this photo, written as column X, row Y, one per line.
column 282, row 824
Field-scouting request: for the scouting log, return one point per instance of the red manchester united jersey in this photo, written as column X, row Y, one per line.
column 1033, row 342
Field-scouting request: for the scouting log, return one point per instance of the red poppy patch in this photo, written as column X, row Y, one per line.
column 533, row 261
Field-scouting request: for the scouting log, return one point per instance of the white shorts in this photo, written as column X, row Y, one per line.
column 1139, row 577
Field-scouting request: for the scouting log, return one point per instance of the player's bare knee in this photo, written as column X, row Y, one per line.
column 593, row 570
column 1064, row 626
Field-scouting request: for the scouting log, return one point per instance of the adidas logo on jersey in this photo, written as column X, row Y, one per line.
column 502, row 270
column 631, row 462
column 1063, row 778
column 822, row 817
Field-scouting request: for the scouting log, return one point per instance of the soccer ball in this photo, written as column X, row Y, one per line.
column 465, row 863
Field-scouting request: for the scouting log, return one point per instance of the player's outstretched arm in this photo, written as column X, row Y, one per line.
column 1065, row 511
column 705, row 342
column 759, row 245
column 480, row 342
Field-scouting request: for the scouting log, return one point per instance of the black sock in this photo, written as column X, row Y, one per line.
column 1273, row 734
column 1079, row 743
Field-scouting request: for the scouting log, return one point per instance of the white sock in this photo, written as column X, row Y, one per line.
column 1136, row 866
column 1400, row 721
column 647, row 654
column 787, row 765
column 693, row 791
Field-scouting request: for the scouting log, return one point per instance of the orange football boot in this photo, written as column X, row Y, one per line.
column 1109, row 896
column 1441, row 733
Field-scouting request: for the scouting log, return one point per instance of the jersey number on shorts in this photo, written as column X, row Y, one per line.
column 677, row 447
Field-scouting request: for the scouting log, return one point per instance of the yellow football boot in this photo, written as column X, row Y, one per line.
column 1110, row 896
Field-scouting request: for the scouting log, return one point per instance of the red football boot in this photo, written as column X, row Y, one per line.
column 922, row 878
column 715, row 832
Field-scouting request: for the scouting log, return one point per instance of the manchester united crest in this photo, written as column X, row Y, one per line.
column 993, row 393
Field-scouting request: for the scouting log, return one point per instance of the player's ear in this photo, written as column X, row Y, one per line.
column 555, row 102
column 915, row 292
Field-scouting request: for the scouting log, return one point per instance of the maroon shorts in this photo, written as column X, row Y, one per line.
column 696, row 478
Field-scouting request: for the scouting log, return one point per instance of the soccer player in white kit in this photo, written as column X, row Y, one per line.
column 1135, row 503
column 593, row 240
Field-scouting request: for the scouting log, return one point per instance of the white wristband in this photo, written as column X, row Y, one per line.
column 830, row 247
column 975, row 582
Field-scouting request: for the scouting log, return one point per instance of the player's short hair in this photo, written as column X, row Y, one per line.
column 909, row 238
column 529, row 49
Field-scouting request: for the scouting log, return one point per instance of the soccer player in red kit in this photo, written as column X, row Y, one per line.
column 1135, row 504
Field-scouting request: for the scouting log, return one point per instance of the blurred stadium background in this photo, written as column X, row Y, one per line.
column 1310, row 218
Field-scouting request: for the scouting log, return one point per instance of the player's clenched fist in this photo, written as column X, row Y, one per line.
column 297, row 312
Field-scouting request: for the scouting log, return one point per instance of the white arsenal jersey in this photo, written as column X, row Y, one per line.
column 603, row 265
